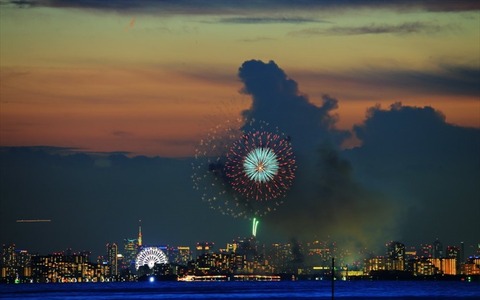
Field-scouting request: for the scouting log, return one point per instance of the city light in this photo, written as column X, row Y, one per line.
column 244, row 259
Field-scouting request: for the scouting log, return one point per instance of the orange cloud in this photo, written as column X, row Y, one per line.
column 164, row 113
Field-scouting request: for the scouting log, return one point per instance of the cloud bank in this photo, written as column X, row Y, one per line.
column 400, row 29
column 229, row 6
column 430, row 167
column 453, row 79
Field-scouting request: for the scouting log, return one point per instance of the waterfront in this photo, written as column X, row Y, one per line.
column 246, row 290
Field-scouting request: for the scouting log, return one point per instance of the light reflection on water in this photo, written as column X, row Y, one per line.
column 246, row 290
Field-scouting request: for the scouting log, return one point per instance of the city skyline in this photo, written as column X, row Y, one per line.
column 426, row 248
column 104, row 107
column 241, row 259
column 436, row 248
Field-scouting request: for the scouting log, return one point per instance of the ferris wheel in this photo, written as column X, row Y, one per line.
column 150, row 256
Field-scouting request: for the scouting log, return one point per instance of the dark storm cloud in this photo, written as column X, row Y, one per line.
column 234, row 6
column 430, row 167
column 325, row 199
column 404, row 28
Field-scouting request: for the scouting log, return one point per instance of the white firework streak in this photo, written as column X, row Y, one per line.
column 261, row 164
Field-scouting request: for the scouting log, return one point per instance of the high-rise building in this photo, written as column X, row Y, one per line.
column 63, row 267
column 15, row 265
column 426, row 267
column 396, row 256
column 214, row 263
column 410, row 253
column 472, row 266
column 24, row 260
column 396, row 250
column 8, row 262
column 437, row 249
column 462, row 253
column 426, row 251
column 180, row 255
column 378, row 263
column 318, row 253
column 280, row 257
column 453, row 252
column 245, row 255
column 449, row 266
column 204, row 248
column 130, row 248
column 139, row 233
column 112, row 259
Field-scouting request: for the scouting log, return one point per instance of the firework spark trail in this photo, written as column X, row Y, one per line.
column 244, row 174
column 261, row 166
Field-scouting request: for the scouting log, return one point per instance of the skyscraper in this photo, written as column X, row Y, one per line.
column 437, row 249
column 130, row 248
column 396, row 250
column 65, row 266
column 453, row 252
column 204, row 248
column 396, row 256
column 179, row 255
column 8, row 261
column 139, row 233
column 462, row 253
column 426, row 251
column 280, row 256
column 14, row 264
column 112, row 257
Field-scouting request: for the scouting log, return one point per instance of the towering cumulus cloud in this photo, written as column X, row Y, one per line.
column 429, row 166
column 325, row 199
column 277, row 100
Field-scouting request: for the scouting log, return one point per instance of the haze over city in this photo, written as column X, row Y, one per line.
column 103, row 105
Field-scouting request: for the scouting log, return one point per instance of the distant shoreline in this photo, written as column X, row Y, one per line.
column 377, row 276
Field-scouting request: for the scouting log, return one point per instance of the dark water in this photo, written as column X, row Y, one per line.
column 246, row 290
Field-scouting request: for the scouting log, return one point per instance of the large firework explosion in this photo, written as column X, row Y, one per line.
column 260, row 165
column 244, row 174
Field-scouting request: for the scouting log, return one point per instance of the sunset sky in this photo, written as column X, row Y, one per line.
column 120, row 94
column 152, row 77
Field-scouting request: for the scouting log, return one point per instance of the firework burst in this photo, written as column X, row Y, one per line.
column 243, row 174
column 261, row 165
